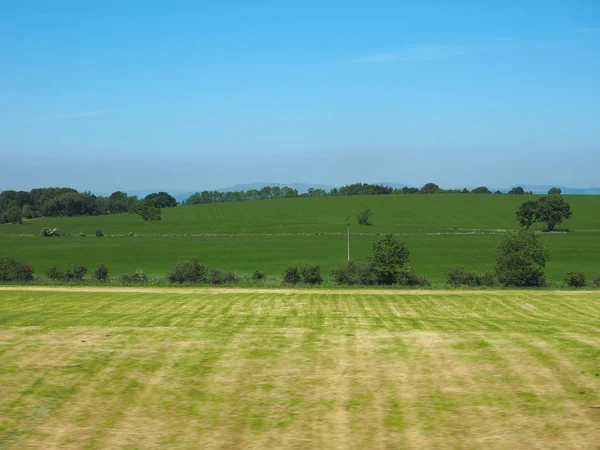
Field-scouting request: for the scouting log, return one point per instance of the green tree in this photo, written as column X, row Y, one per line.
column 527, row 213
column 554, row 191
column 520, row 259
column 430, row 188
column 552, row 209
column 147, row 211
column 364, row 218
column 481, row 190
column 14, row 215
column 161, row 200
column 517, row 190
column 388, row 258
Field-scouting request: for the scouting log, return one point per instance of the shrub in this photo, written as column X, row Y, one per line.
column 54, row 273
column 291, row 275
column 100, row 273
column 575, row 279
column 257, row 275
column 77, row 272
column 388, row 259
column 486, row 278
column 99, row 233
column 139, row 276
column 596, row 281
column 82, row 234
column 366, row 275
column 408, row 277
column 230, row 277
column 217, row 276
column 311, row 274
column 13, row 270
column 457, row 276
column 364, row 218
column 188, row 272
column 520, row 259
column 344, row 275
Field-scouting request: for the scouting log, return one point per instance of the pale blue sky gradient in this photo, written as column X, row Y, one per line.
column 200, row 95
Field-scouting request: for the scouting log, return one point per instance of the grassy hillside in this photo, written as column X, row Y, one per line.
column 440, row 230
column 391, row 214
column 173, row 369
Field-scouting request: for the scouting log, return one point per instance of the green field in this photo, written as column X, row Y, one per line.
column 440, row 230
column 185, row 368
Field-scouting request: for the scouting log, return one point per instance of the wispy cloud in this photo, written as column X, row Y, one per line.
column 417, row 54
column 61, row 116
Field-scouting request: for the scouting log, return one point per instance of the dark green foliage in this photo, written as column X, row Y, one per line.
column 520, row 259
column 188, row 272
column 257, row 275
column 457, row 276
column 551, row 209
column 575, row 279
column 408, row 277
column 366, row 275
column 76, row 273
column 160, row 200
column 481, row 190
column 596, row 280
column 311, row 274
column 364, row 218
column 554, row 191
column 217, row 276
column 345, row 275
column 13, row 270
column 388, row 258
column 100, row 273
column 147, row 211
column 47, row 232
column 430, row 188
column 291, row 275
column 14, row 215
column 517, row 190
column 363, row 189
column 99, row 233
column 139, row 276
column 527, row 213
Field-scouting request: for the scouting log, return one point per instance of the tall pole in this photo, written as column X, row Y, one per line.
column 348, row 239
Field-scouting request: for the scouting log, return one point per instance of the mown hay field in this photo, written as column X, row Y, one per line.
column 192, row 368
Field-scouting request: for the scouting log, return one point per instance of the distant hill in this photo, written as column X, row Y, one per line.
column 300, row 187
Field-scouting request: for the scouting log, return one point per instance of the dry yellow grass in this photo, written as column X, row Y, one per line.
column 222, row 369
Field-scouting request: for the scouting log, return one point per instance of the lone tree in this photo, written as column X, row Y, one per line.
column 364, row 218
column 520, row 259
column 551, row 209
column 554, row 191
column 388, row 259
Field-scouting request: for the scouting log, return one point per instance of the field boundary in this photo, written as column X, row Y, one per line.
column 317, row 291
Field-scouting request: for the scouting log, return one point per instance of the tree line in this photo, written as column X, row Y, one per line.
column 61, row 201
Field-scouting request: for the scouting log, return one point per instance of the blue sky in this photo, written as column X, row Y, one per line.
column 195, row 95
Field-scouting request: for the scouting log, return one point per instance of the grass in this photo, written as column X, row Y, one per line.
column 440, row 230
column 155, row 368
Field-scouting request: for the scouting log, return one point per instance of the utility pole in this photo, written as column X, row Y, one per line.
column 348, row 239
